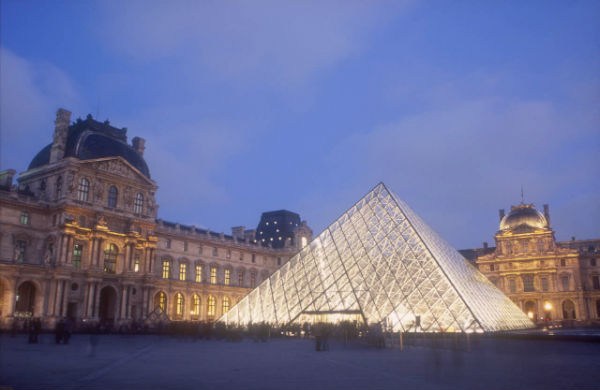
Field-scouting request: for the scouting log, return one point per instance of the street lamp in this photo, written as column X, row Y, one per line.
column 548, row 306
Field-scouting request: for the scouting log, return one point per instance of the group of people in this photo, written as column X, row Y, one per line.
column 63, row 330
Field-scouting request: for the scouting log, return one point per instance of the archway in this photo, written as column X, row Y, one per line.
column 568, row 310
column 531, row 310
column 160, row 301
column 108, row 305
column 25, row 304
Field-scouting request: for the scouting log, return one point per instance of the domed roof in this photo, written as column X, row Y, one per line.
column 90, row 139
column 523, row 216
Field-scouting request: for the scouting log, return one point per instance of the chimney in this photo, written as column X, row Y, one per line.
column 238, row 232
column 485, row 245
column 61, row 130
column 6, row 178
column 501, row 213
column 139, row 144
column 547, row 214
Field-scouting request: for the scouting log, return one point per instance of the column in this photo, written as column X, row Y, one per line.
column 127, row 304
column 123, row 303
column 127, row 260
column 100, row 254
column 12, row 296
column 69, row 249
column 96, row 306
column 87, row 261
column 65, row 301
column 144, row 300
column 57, row 297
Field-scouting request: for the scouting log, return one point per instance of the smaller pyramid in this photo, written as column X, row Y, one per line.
column 381, row 263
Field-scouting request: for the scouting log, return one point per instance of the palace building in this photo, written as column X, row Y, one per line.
column 550, row 281
column 79, row 237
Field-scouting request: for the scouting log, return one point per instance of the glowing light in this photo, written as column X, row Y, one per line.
column 530, row 314
column 548, row 306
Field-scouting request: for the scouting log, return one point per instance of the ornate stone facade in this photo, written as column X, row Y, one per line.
column 79, row 237
column 551, row 281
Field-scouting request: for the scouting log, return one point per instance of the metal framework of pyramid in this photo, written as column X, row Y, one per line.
column 381, row 261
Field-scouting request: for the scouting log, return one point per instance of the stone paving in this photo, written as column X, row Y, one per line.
column 161, row 362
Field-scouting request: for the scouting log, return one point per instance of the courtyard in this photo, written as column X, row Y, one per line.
column 163, row 362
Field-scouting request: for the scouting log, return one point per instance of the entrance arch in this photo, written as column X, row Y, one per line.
column 25, row 304
column 108, row 305
column 531, row 310
column 568, row 310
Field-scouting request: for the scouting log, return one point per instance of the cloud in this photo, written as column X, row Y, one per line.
column 30, row 93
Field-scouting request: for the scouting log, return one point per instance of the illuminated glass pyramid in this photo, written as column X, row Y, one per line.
column 381, row 263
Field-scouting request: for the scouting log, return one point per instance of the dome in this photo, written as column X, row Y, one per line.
column 523, row 216
column 90, row 139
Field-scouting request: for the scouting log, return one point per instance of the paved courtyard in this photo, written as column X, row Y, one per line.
column 155, row 362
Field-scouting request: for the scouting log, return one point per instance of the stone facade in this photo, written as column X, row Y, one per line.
column 79, row 237
column 551, row 281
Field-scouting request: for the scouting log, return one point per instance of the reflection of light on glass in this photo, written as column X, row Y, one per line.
column 530, row 314
column 548, row 306
column 304, row 242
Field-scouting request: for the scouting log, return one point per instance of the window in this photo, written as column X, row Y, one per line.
column 509, row 248
column 512, row 285
column 24, row 218
column 211, row 305
column 596, row 282
column 82, row 221
column 241, row 256
column 185, row 246
column 225, row 305
column 179, row 304
column 240, row 278
column 160, row 301
column 215, row 252
column 227, row 274
column 136, row 262
column 544, row 284
column 58, row 188
column 200, row 249
column 253, row 279
column 563, row 262
column 228, row 255
column 168, row 243
column 182, row 269
column 528, row 283
column 166, row 269
column 20, row 251
column 540, row 245
column 198, row 273
column 77, row 249
column 564, row 281
column 491, row 267
column 110, row 258
column 593, row 262
column 138, row 204
column 195, row 305
column 112, row 196
column 83, row 190
column 213, row 275
column 525, row 246
column 253, row 258
column 279, row 261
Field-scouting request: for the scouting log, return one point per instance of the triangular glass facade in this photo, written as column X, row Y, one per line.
column 380, row 261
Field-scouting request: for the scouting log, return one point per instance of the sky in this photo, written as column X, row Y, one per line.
column 254, row 106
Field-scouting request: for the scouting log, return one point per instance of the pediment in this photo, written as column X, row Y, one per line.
column 117, row 166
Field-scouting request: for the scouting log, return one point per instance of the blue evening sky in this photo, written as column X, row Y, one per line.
column 262, row 105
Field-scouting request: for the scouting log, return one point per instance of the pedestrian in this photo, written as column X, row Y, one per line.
column 59, row 330
column 67, row 330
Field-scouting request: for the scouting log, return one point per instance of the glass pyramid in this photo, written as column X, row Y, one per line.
column 381, row 262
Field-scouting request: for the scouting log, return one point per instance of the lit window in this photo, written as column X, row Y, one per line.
column 179, row 304
column 138, row 204
column 512, row 285
column 528, row 283
column 227, row 274
column 136, row 262
column 564, row 281
column 166, row 269
column 225, row 305
column 545, row 285
column 198, row 273
column 20, row 249
column 215, row 252
column 267, row 223
column 182, row 269
column 260, row 233
column 110, row 258
column 195, row 305
column 83, row 190
column 240, row 278
column 24, row 218
column 211, row 305
column 160, row 301
column 276, row 230
column 252, row 279
column 213, row 275
column 279, row 238
column 77, row 249
column 112, row 196
column 275, row 222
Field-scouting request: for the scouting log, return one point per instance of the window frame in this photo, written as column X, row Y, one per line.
column 111, row 252
column 138, row 203
column 83, row 190
column 77, row 254
column 112, row 198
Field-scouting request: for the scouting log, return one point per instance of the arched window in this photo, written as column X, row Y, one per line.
column 182, row 271
column 225, row 305
column 25, row 299
column 110, row 258
column 241, row 277
column 211, row 305
column 253, row 279
column 568, row 310
column 195, row 305
column 179, row 304
column 160, row 301
column 113, row 193
column 58, row 189
column 138, row 203
column 83, row 190
column 530, row 310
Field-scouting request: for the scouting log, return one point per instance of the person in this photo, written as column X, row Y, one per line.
column 67, row 330
column 59, row 330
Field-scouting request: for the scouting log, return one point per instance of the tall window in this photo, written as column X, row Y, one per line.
column 198, row 273
column 195, row 305
column 58, row 188
column 168, row 243
column 20, row 251
column 160, row 301
column 564, row 281
column 83, row 191
column 279, row 261
column 563, row 262
column 544, row 284
column 253, row 258
column 138, row 203
column 512, row 285
column 540, row 245
column 211, row 305
column 110, row 258
column 240, row 278
column 596, row 282
column 136, row 262
column 253, row 279
column 528, row 283
column 166, row 269
column 182, row 269
column 215, row 252
column 113, row 193
column 213, row 275
column 225, row 305
column 185, row 246
column 77, row 249
column 179, row 304
column 509, row 248
column 593, row 262
column 200, row 250
column 227, row 275
column 24, row 218
column 228, row 255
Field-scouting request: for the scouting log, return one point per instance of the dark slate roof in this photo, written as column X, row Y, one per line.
column 287, row 222
column 89, row 139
